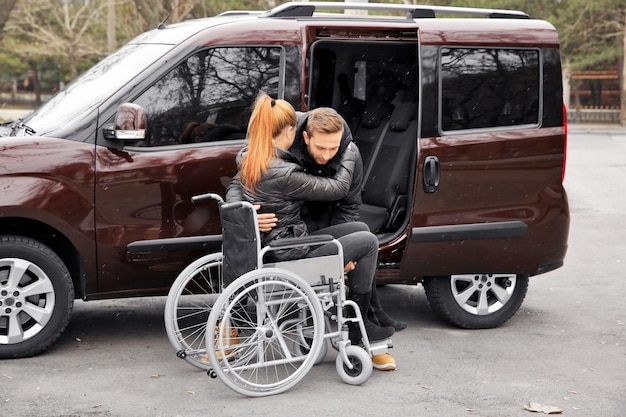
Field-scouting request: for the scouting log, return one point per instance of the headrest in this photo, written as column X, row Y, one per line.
column 406, row 110
column 375, row 113
column 402, row 117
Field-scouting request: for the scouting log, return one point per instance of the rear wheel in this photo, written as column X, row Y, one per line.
column 36, row 297
column 476, row 301
column 188, row 305
column 255, row 341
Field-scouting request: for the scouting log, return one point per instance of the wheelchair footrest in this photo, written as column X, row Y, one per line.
column 380, row 346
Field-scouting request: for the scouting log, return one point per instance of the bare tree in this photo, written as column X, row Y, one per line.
column 68, row 28
column 5, row 10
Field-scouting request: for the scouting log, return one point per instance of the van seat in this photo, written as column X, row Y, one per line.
column 373, row 126
column 386, row 185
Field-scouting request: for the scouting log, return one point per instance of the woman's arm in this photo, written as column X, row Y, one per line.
column 301, row 186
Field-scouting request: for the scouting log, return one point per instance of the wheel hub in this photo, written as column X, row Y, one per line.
column 482, row 294
column 23, row 284
column 266, row 333
column 10, row 302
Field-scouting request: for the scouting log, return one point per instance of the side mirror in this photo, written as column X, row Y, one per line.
column 130, row 123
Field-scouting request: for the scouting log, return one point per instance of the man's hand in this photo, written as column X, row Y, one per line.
column 267, row 221
column 349, row 267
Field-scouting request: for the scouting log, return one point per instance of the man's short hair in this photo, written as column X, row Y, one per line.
column 323, row 120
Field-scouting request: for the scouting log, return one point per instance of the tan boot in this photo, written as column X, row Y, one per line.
column 384, row 362
column 227, row 340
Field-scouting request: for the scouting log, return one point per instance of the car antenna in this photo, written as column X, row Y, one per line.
column 162, row 24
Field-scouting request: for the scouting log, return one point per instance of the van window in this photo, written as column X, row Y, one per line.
column 208, row 97
column 350, row 76
column 489, row 88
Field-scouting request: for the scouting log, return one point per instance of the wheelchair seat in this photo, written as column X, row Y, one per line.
column 242, row 252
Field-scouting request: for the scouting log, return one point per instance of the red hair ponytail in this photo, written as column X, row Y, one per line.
column 269, row 117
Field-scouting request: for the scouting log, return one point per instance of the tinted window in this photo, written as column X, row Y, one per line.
column 350, row 76
column 487, row 88
column 209, row 96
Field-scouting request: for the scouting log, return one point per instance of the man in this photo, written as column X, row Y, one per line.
column 321, row 138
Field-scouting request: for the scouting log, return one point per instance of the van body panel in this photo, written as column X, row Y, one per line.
column 490, row 178
column 147, row 195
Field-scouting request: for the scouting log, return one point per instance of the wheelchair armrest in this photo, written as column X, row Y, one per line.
column 309, row 240
column 207, row 242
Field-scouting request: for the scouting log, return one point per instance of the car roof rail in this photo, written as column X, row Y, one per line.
column 307, row 9
column 240, row 13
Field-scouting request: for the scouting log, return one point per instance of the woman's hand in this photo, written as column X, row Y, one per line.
column 267, row 221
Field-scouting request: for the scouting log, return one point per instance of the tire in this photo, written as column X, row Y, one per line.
column 36, row 297
column 188, row 305
column 361, row 366
column 476, row 301
column 301, row 347
column 254, row 332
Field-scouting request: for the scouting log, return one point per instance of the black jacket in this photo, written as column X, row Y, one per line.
column 284, row 188
column 320, row 214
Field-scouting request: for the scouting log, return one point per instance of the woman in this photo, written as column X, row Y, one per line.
column 281, row 187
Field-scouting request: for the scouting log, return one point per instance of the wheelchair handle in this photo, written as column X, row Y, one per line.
column 208, row 196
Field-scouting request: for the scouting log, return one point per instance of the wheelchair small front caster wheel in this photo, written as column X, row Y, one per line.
column 211, row 373
column 181, row 354
column 361, row 366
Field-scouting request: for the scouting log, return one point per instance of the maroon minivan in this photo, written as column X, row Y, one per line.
column 459, row 120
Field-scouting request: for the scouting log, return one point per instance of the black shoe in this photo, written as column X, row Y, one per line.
column 384, row 320
column 375, row 332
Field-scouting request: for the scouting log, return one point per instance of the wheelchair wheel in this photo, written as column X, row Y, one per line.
column 256, row 324
column 361, row 366
column 187, row 308
column 302, row 346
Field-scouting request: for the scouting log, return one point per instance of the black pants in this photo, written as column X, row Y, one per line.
column 359, row 245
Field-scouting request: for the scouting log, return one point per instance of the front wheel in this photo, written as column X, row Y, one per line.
column 36, row 297
column 361, row 363
column 476, row 301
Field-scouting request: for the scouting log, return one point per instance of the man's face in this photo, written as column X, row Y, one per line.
column 322, row 146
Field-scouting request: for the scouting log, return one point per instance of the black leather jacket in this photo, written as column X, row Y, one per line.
column 284, row 188
column 320, row 214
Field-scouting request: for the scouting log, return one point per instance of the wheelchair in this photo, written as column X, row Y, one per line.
column 259, row 326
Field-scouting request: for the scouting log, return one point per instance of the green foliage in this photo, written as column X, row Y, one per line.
column 12, row 67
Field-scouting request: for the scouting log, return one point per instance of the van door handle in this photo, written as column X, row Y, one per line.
column 432, row 173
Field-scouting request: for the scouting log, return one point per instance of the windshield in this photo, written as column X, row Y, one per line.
column 86, row 93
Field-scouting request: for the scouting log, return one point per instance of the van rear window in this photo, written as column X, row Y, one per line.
column 483, row 88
